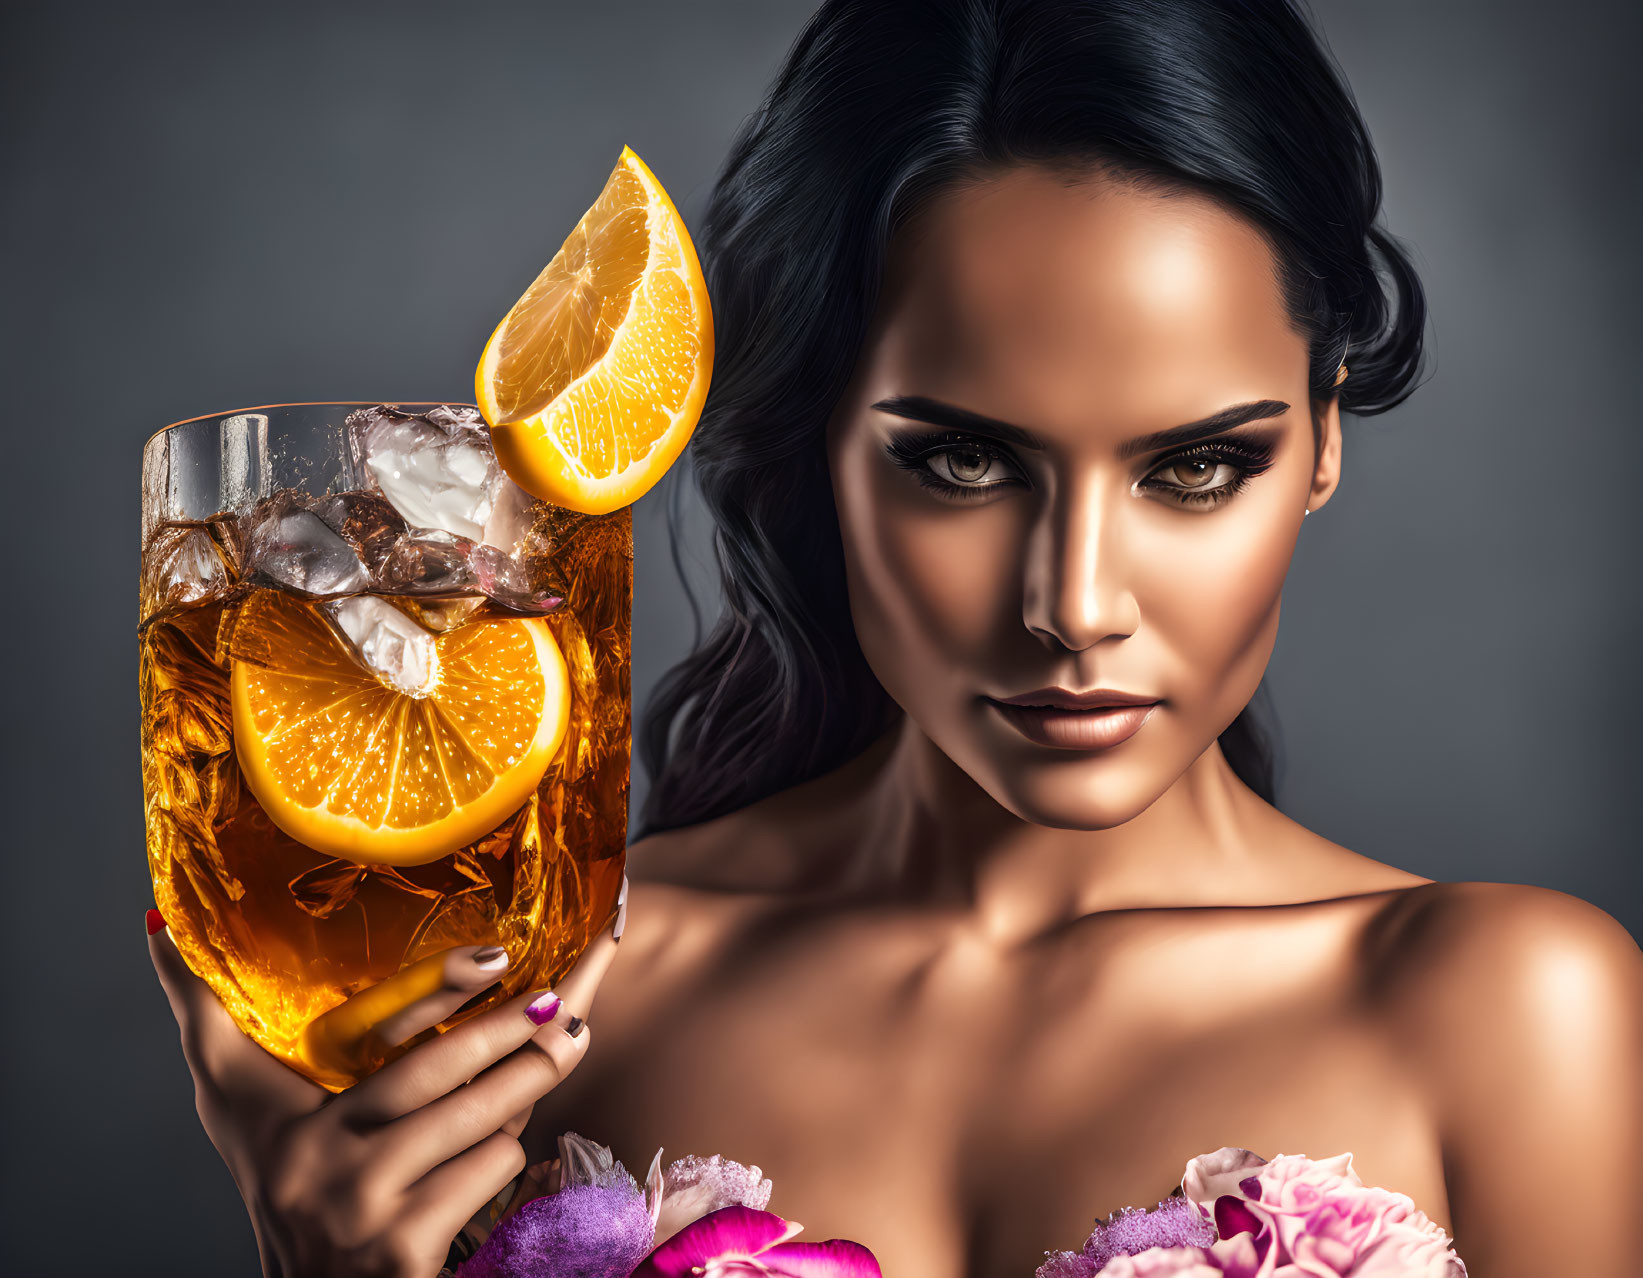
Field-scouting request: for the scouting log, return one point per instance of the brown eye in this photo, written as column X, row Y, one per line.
column 1191, row 472
column 1209, row 474
column 953, row 467
column 966, row 465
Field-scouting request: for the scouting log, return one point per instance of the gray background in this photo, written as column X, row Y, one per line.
column 212, row 206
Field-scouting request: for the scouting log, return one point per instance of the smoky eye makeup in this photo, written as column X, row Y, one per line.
column 952, row 463
column 1210, row 473
column 963, row 467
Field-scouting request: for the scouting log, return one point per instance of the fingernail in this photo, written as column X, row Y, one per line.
column 543, row 1007
column 621, row 911
column 491, row 956
column 154, row 922
column 574, row 1026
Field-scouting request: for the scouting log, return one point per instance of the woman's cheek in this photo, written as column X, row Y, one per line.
column 1210, row 596
column 955, row 569
column 928, row 581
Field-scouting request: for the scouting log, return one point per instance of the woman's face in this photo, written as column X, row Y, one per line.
column 1072, row 547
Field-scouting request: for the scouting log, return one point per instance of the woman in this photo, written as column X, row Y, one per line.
column 1036, row 321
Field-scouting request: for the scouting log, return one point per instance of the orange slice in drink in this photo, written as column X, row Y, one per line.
column 352, row 767
column 593, row 382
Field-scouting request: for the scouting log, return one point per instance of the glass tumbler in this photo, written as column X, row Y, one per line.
column 385, row 711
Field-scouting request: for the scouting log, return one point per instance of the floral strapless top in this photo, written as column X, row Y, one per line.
column 1234, row 1215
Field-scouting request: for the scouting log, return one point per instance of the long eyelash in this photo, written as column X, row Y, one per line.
column 910, row 448
column 1248, row 458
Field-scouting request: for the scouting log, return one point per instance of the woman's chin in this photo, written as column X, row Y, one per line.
column 1062, row 811
column 1070, row 791
column 1067, row 789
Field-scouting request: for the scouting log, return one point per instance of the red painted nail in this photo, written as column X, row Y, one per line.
column 155, row 922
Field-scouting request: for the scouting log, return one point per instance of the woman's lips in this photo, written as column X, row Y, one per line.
column 1076, row 729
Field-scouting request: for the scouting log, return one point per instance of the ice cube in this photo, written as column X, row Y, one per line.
column 366, row 521
column 437, row 468
column 513, row 512
column 288, row 545
column 181, row 565
column 507, row 581
column 387, row 642
column 440, row 615
column 430, row 561
column 455, row 416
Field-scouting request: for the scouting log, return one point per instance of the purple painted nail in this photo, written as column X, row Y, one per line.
column 490, row 956
column 543, row 1008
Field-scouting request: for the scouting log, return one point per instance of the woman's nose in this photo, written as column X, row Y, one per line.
column 1077, row 589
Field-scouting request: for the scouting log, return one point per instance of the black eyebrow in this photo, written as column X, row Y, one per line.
column 924, row 409
column 919, row 408
column 1214, row 424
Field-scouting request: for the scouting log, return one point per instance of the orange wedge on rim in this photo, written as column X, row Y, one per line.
column 355, row 768
column 593, row 382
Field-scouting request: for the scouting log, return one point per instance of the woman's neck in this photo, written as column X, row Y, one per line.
column 933, row 834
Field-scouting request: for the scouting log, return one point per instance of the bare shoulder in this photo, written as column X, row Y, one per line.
column 1505, row 931
column 693, row 889
column 787, row 842
column 726, row 863
column 729, row 854
column 1481, row 978
column 1518, row 1012
column 680, row 908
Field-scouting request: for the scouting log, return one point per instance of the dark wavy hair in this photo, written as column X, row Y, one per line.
column 879, row 106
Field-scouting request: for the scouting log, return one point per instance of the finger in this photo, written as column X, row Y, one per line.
column 453, row 1193
column 430, row 1070
column 442, row 1129
column 581, row 983
column 536, row 1180
column 464, row 971
column 357, row 1032
column 523, row 1186
column 221, row 1055
column 518, row 1122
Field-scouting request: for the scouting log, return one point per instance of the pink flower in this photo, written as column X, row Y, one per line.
column 1130, row 1231
column 1297, row 1216
column 696, row 1186
column 1164, row 1262
column 1065, row 1264
column 741, row 1242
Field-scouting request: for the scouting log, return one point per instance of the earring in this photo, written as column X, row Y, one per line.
column 1305, row 513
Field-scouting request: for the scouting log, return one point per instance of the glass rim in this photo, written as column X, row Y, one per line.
column 309, row 403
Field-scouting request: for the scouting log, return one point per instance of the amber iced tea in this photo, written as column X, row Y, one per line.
column 377, row 612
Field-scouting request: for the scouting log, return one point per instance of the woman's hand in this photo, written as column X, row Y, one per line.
column 378, row 1179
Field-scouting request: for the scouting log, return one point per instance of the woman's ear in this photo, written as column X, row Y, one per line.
column 1326, row 466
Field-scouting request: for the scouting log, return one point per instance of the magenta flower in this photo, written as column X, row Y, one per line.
column 741, row 1242
column 703, row 1218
